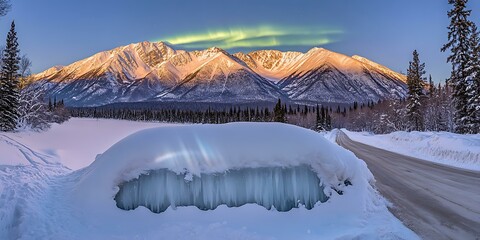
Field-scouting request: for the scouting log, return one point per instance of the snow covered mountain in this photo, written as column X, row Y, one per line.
column 154, row 71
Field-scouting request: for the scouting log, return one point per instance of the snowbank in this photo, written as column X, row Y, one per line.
column 461, row 151
column 331, row 135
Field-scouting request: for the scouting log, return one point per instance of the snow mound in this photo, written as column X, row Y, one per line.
column 209, row 149
column 456, row 150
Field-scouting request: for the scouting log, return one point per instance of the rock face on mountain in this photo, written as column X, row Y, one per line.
column 157, row 72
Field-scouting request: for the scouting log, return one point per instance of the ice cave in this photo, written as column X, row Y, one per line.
column 278, row 187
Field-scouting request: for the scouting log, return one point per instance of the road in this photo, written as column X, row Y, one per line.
column 435, row 201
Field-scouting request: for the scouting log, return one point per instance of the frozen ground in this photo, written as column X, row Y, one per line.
column 44, row 196
column 456, row 150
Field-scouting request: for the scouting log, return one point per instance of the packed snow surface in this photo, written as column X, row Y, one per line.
column 46, row 200
column 457, row 150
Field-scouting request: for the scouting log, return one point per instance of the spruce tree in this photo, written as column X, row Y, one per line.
column 319, row 120
column 278, row 112
column 460, row 29
column 416, row 83
column 9, row 82
column 473, row 83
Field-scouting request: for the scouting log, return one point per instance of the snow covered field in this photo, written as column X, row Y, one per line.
column 51, row 186
column 461, row 151
column 74, row 143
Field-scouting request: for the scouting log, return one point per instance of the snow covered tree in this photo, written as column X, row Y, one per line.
column 9, row 82
column 473, row 83
column 321, row 119
column 32, row 110
column 460, row 29
column 448, row 106
column 416, row 84
column 440, row 110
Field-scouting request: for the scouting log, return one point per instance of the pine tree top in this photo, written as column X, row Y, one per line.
column 10, row 56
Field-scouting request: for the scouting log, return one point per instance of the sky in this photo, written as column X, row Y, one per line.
column 59, row 32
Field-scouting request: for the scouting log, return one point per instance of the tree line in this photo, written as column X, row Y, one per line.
column 393, row 115
column 301, row 115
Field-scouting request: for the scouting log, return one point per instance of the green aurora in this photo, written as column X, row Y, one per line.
column 259, row 36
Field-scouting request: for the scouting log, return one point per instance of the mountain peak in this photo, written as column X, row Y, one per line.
column 215, row 50
column 317, row 49
column 210, row 52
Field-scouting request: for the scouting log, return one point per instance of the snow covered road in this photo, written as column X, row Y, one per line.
column 435, row 201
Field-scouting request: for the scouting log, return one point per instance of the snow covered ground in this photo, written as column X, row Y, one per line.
column 75, row 143
column 51, row 186
column 461, row 151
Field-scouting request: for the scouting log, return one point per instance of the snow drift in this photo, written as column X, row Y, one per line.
column 457, row 150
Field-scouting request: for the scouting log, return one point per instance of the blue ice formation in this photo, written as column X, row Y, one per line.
column 283, row 188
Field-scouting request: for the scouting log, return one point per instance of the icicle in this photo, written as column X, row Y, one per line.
column 281, row 188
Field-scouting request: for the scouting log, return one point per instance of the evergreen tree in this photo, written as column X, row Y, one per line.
column 278, row 112
column 473, row 83
column 440, row 109
column 416, row 83
column 460, row 29
column 9, row 82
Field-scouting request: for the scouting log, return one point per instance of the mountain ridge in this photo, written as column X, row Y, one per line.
column 155, row 71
